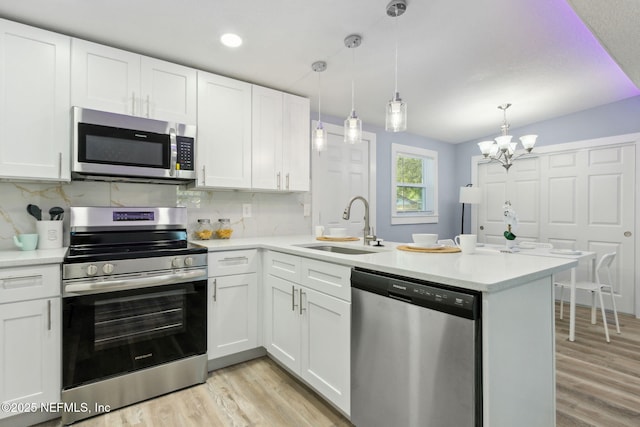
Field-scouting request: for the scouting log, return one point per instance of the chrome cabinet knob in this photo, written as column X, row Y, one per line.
column 107, row 268
column 188, row 261
column 92, row 269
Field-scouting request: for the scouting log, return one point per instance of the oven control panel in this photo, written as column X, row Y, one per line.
column 129, row 266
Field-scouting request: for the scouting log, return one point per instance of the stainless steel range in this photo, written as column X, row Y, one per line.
column 134, row 308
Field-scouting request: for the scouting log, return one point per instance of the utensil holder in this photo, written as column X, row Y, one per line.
column 49, row 234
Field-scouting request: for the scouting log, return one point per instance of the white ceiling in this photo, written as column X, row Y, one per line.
column 458, row 59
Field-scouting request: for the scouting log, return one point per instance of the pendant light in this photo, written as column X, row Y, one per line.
column 319, row 133
column 396, row 114
column 353, row 124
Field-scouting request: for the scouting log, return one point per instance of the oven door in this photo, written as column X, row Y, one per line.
column 113, row 333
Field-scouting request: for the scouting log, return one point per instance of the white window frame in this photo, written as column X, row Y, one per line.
column 405, row 217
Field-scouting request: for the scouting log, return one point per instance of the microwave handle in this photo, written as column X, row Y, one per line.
column 174, row 151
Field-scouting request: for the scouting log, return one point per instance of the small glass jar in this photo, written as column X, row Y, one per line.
column 224, row 228
column 204, row 229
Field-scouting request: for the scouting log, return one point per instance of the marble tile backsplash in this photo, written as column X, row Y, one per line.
column 272, row 214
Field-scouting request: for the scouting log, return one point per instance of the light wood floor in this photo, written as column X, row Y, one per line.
column 598, row 384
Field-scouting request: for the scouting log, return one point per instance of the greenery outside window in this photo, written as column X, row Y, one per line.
column 414, row 176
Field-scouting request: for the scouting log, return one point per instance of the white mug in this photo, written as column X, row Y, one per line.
column 319, row 230
column 466, row 243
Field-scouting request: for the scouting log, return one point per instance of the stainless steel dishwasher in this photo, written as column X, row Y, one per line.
column 415, row 353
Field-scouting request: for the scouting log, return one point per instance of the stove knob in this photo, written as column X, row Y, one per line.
column 175, row 263
column 92, row 270
column 188, row 261
column 107, row 268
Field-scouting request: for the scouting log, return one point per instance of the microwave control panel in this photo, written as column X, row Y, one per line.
column 185, row 146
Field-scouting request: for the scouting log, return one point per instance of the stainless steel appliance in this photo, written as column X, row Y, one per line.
column 117, row 147
column 415, row 353
column 134, row 308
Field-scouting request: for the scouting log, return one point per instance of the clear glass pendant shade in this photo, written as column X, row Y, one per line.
column 353, row 129
column 320, row 138
column 396, row 116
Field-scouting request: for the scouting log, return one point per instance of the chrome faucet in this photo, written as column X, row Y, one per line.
column 368, row 233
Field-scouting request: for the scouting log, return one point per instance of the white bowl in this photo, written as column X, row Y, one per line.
column 337, row 232
column 425, row 238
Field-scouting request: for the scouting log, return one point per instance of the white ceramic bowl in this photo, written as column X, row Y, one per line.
column 425, row 238
column 337, row 232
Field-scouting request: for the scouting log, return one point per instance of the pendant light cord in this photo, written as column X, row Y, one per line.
column 319, row 97
column 353, row 84
column 396, row 67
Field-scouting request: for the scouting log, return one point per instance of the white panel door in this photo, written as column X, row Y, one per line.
column 338, row 174
column 105, row 78
column 224, row 132
column 266, row 169
column 168, row 91
column 30, row 357
column 34, row 103
column 233, row 321
column 589, row 203
column 521, row 187
column 326, row 346
column 296, row 143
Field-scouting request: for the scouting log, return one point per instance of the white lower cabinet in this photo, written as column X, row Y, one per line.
column 233, row 303
column 30, row 337
column 307, row 330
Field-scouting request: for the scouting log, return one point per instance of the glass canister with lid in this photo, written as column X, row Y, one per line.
column 204, row 229
column 224, row 228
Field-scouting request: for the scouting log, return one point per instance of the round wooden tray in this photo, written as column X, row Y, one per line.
column 443, row 250
column 337, row 239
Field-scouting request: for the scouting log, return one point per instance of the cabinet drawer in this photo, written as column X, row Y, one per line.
column 282, row 265
column 232, row 262
column 331, row 279
column 31, row 282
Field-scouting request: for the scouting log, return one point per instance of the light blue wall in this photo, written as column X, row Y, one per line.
column 454, row 160
column 618, row 118
column 447, row 190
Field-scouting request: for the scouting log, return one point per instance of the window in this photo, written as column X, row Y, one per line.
column 414, row 173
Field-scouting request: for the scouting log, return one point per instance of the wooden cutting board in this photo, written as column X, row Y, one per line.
column 337, row 239
column 443, row 250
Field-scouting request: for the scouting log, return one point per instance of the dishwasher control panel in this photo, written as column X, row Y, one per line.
column 439, row 297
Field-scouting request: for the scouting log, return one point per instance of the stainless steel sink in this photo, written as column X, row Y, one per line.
column 340, row 249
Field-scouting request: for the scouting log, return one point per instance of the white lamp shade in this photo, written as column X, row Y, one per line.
column 503, row 142
column 470, row 195
column 320, row 138
column 396, row 117
column 528, row 141
column 485, row 147
column 353, row 129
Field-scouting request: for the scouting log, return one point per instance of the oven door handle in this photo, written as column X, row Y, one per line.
column 137, row 283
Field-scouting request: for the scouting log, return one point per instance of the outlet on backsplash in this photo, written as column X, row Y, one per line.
column 246, row 210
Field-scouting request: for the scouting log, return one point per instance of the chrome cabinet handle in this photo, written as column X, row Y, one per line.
column 204, row 174
column 174, row 151
column 215, row 290
column 234, row 258
column 293, row 298
column 48, row 315
column 301, row 307
column 133, row 103
column 287, row 180
column 278, row 184
column 59, row 165
column 148, row 106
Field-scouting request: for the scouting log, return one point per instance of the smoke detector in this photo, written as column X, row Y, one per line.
column 396, row 8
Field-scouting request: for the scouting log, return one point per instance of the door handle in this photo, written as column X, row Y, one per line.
column 287, row 180
column 133, row 103
column 293, row 298
column 59, row 165
column 278, row 183
column 301, row 307
column 48, row 315
column 215, row 290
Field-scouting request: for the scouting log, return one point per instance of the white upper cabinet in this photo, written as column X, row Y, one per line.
column 280, row 141
column 224, row 132
column 34, row 103
column 109, row 79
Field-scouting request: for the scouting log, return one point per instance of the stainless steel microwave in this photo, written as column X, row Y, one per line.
column 117, row 147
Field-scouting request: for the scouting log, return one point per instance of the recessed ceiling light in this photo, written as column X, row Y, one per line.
column 231, row 40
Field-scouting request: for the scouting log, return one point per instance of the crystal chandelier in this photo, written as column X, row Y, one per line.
column 502, row 150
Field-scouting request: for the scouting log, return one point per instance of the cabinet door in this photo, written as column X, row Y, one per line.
column 326, row 346
column 233, row 314
column 282, row 321
column 105, row 78
column 30, row 357
column 168, row 91
column 266, row 173
column 34, row 103
column 224, row 132
column 296, row 143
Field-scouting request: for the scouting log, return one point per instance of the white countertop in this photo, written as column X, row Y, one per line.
column 487, row 270
column 18, row 258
